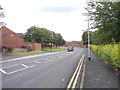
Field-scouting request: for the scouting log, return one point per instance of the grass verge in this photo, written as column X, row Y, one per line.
column 20, row 53
column 54, row 49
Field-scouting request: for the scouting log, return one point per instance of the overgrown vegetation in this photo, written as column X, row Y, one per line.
column 109, row 53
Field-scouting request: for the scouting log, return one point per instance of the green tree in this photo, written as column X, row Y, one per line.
column 42, row 35
column 106, row 17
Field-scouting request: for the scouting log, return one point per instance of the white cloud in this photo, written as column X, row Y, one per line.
column 65, row 15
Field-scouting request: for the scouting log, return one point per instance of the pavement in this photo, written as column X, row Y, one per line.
column 99, row 74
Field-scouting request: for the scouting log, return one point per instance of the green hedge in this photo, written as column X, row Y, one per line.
column 109, row 53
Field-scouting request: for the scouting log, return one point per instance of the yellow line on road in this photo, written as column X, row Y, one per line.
column 77, row 71
column 77, row 74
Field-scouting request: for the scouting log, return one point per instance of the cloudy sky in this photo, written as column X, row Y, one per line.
column 61, row 16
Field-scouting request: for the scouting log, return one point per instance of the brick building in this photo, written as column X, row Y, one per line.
column 74, row 44
column 9, row 39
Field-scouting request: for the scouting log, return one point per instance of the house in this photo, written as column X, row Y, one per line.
column 11, row 40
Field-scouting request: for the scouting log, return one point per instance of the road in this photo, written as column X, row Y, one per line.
column 48, row 70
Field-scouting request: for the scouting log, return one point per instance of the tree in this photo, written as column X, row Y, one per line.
column 58, row 40
column 106, row 17
column 2, row 15
column 42, row 35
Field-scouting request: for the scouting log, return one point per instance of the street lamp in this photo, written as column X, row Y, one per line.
column 87, row 14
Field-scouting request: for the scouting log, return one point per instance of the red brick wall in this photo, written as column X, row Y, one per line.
column 10, row 39
column 73, row 44
column 35, row 46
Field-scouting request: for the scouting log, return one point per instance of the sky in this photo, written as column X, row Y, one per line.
column 61, row 16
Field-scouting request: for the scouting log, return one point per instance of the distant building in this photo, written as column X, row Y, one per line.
column 74, row 44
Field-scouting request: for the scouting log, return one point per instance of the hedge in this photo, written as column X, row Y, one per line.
column 110, row 53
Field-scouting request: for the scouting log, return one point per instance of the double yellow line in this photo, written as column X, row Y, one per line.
column 76, row 74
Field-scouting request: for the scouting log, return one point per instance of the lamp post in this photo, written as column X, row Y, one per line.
column 87, row 14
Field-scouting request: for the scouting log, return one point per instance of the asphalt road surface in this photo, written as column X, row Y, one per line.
column 48, row 70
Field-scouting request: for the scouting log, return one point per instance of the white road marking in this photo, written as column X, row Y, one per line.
column 24, row 65
column 3, row 71
column 26, row 57
column 49, row 59
column 17, row 71
column 32, row 66
column 63, row 79
column 20, row 70
column 36, row 62
column 45, row 61
column 10, row 66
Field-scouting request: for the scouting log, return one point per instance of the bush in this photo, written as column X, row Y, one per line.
column 29, row 48
column 109, row 53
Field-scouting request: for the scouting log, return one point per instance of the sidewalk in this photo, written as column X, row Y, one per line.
column 99, row 75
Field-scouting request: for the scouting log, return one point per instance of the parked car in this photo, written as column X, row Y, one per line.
column 70, row 48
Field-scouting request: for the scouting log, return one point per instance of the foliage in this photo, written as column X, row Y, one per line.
column 106, row 20
column 29, row 48
column 41, row 35
column 109, row 53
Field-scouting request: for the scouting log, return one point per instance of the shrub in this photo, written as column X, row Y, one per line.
column 109, row 53
column 29, row 48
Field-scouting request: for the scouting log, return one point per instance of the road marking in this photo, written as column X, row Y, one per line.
column 45, row 61
column 17, row 71
column 70, row 83
column 83, row 75
column 24, row 65
column 36, row 62
column 26, row 57
column 3, row 71
column 10, row 66
column 76, row 74
column 32, row 66
column 20, row 70
column 63, row 79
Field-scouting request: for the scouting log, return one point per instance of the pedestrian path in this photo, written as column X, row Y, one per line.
column 99, row 75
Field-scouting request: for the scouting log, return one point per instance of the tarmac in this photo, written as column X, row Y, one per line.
column 98, row 74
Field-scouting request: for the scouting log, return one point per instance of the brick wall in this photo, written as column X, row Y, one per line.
column 35, row 46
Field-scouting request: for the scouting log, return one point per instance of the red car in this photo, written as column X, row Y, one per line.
column 70, row 48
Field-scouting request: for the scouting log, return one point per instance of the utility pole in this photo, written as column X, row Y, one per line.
column 88, row 33
column 87, row 14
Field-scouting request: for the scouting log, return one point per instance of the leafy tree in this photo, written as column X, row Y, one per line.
column 106, row 18
column 42, row 35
